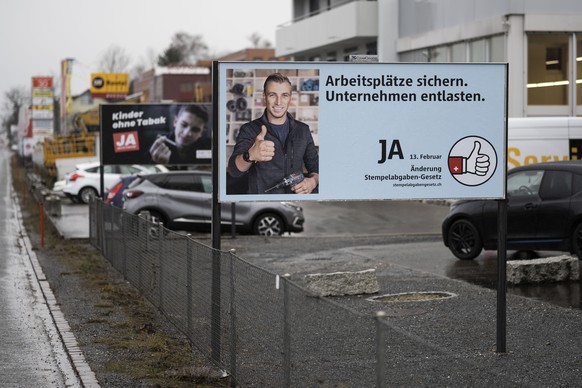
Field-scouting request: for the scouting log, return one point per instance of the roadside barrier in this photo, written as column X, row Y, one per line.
column 262, row 328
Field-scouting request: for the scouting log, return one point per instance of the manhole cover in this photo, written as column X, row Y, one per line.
column 413, row 296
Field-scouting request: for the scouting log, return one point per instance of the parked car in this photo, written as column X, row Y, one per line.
column 544, row 212
column 181, row 200
column 115, row 195
column 83, row 184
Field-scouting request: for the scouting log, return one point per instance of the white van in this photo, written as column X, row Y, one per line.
column 543, row 139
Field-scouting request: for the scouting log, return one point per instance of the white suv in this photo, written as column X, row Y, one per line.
column 83, row 184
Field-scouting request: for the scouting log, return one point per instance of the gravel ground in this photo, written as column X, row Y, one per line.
column 448, row 342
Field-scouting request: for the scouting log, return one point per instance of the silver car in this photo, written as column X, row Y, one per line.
column 182, row 201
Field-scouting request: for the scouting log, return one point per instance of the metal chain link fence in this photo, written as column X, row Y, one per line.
column 266, row 331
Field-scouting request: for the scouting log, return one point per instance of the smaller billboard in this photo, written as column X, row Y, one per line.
column 109, row 85
column 169, row 134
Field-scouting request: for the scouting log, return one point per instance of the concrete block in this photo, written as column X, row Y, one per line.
column 545, row 270
column 342, row 283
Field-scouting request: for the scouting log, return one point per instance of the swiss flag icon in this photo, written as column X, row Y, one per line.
column 125, row 141
column 456, row 164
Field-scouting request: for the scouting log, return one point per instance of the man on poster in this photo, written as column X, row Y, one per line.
column 276, row 151
column 186, row 138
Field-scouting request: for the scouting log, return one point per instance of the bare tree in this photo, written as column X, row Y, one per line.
column 184, row 48
column 14, row 98
column 114, row 60
column 258, row 41
column 145, row 63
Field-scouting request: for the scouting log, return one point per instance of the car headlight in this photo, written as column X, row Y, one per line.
column 293, row 206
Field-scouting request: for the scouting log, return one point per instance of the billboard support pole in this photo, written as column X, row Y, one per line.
column 215, row 167
column 215, row 330
column 501, row 276
column 502, row 245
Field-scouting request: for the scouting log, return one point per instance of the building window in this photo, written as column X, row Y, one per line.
column 458, row 52
column 413, row 56
column 547, row 69
column 477, row 50
column 313, row 7
column 497, row 49
column 186, row 88
column 439, row 54
column 332, row 56
column 372, row 48
column 578, row 74
column 348, row 51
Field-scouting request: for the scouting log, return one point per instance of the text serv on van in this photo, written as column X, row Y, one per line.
column 543, row 139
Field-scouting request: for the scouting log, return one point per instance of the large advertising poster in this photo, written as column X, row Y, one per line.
column 169, row 134
column 361, row 131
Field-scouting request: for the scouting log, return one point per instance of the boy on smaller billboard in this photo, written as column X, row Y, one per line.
column 156, row 134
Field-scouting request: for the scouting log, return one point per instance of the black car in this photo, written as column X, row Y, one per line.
column 544, row 212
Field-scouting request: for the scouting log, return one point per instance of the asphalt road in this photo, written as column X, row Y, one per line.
column 357, row 218
column 404, row 233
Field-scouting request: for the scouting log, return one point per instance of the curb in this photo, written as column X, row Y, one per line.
column 78, row 363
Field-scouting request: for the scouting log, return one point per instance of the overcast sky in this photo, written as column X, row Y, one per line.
column 35, row 35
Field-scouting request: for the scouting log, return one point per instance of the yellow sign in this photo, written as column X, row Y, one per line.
column 110, row 85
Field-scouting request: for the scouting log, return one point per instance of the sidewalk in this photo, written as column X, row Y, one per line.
column 70, row 364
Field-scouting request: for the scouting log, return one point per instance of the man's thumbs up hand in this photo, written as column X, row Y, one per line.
column 261, row 136
column 262, row 150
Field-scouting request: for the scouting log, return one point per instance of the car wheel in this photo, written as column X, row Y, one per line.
column 577, row 241
column 269, row 224
column 87, row 194
column 464, row 240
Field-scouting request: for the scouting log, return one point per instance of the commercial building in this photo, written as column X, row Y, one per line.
column 178, row 83
column 541, row 40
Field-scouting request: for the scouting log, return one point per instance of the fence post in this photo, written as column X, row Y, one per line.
column 160, row 266
column 101, row 227
column 140, row 223
column 380, row 361
column 215, row 301
column 124, row 241
column 189, row 285
column 109, row 235
column 232, row 308
column 286, row 332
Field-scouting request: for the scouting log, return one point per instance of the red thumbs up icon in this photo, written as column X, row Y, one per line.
column 472, row 161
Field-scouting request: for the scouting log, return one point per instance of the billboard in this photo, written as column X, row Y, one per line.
column 109, row 85
column 42, row 106
column 361, row 131
column 169, row 134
